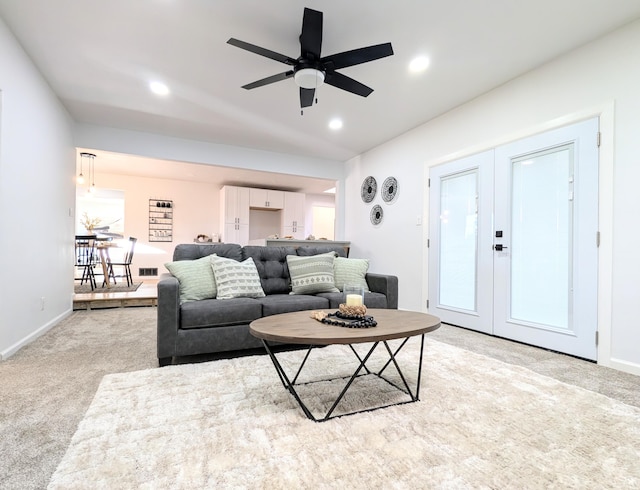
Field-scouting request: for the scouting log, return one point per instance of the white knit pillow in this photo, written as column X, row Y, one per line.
column 350, row 271
column 236, row 279
column 195, row 277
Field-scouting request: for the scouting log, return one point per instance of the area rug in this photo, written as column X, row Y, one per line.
column 115, row 288
column 480, row 423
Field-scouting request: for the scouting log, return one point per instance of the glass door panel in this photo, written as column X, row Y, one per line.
column 459, row 240
column 546, row 209
column 460, row 254
column 541, row 237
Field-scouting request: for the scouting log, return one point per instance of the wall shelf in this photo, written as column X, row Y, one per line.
column 160, row 220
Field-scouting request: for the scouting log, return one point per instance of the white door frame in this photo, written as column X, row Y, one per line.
column 606, row 113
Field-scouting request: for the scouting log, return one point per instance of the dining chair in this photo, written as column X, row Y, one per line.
column 125, row 263
column 86, row 258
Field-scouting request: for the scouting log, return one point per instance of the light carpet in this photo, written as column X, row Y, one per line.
column 480, row 423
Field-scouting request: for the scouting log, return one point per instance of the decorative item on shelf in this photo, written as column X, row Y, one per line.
column 376, row 215
column 310, row 237
column 89, row 223
column 368, row 189
column 203, row 238
column 389, row 189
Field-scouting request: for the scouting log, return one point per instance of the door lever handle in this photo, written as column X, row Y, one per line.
column 498, row 247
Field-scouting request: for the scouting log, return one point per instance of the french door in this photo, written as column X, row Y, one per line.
column 513, row 240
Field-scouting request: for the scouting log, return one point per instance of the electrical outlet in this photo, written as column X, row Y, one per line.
column 42, row 303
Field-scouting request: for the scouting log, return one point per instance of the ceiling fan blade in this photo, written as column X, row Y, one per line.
column 268, row 80
column 311, row 36
column 343, row 82
column 357, row 56
column 306, row 97
column 267, row 53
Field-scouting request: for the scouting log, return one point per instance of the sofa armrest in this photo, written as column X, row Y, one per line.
column 387, row 285
column 168, row 314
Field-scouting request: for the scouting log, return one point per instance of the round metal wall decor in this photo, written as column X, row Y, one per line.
column 376, row 214
column 369, row 189
column 389, row 189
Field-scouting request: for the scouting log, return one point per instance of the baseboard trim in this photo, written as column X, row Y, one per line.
column 626, row 366
column 11, row 350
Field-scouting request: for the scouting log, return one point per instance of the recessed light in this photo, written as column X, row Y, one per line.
column 419, row 64
column 159, row 88
column 335, row 124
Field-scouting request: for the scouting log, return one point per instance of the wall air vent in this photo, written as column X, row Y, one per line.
column 147, row 271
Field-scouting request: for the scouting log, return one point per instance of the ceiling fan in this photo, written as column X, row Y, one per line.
column 311, row 70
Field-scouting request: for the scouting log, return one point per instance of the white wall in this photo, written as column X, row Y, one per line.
column 589, row 81
column 195, row 210
column 37, row 164
column 182, row 150
column 316, row 229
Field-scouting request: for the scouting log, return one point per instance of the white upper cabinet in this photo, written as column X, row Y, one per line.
column 266, row 198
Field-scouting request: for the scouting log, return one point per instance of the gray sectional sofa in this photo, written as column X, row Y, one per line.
column 210, row 326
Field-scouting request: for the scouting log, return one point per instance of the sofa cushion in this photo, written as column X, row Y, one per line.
column 219, row 313
column 275, row 304
column 310, row 275
column 195, row 277
column 306, row 251
column 371, row 300
column 271, row 263
column 350, row 271
column 236, row 279
column 192, row 251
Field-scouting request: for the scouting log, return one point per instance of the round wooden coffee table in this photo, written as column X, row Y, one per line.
column 300, row 328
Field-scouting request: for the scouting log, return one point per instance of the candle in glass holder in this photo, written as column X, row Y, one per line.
column 354, row 295
column 354, row 300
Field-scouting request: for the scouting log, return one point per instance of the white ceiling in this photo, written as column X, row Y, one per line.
column 99, row 57
column 132, row 165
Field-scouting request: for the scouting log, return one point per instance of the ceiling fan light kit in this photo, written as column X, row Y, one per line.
column 309, row 78
column 310, row 70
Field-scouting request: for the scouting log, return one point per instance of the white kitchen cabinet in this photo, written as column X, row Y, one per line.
column 266, row 199
column 293, row 215
column 234, row 214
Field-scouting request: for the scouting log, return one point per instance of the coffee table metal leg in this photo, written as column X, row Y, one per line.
column 355, row 374
column 392, row 358
column 289, row 385
column 359, row 358
column 285, row 379
column 295, row 378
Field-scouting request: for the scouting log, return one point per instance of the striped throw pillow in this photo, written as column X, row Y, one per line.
column 236, row 279
column 310, row 275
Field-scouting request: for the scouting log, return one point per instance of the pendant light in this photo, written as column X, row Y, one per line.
column 80, row 178
column 92, row 170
